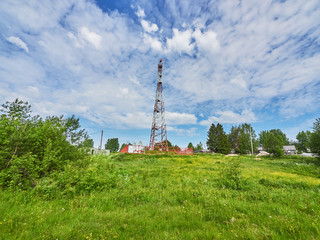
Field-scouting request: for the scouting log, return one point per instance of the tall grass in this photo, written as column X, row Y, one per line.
column 169, row 197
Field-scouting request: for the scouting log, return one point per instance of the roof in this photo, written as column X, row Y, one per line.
column 289, row 148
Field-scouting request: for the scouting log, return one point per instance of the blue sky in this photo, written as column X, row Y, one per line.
column 230, row 62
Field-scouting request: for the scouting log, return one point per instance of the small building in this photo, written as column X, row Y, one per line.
column 97, row 151
column 289, row 150
column 203, row 151
column 132, row 149
column 260, row 148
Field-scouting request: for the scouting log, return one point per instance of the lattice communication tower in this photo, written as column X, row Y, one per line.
column 158, row 137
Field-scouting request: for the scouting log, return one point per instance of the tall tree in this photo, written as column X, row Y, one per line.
column 198, row 147
column 88, row 143
column 217, row 139
column 190, row 145
column 303, row 141
column 112, row 144
column 315, row 137
column 234, row 138
column 273, row 141
column 169, row 144
column 123, row 145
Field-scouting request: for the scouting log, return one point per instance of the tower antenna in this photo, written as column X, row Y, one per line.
column 158, row 137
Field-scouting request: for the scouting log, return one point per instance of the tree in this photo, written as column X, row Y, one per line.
column 17, row 110
column 234, row 138
column 303, row 141
column 71, row 125
column 315, row 137
column 198, row 147
column 239, row 138
column 218, row 140
column 190, row 145
column 123, row 145
column 112, row 144
column 273, row 141
column 88, row 143
column 32, row 147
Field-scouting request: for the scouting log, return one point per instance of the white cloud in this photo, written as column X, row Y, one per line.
column 175, row 118
column 180, row 41
column 18, row 42
column 140, row 12
column 240, row 56
column 134, row 120
column 207, row 41
column 154, row 43
column 246, row 116
column 190, row 132
column 92, row 37
column 149, row 27
column 239, row 81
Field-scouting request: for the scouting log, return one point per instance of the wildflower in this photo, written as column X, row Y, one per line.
column 62, row 209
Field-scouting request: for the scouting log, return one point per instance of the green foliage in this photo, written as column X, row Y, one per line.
column 198, row 147
column 303, row 139
column 278, row 152
column 123, row 145
column 112, row 144
column 190, row 145
column 133, row 196
column 217, row 140
column 32, row 147
column 315, row 137
column 88, row 143
column 239, row 138
column 273, row 141
column 230, row 174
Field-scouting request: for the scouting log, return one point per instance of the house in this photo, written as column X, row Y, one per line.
column 260, row 148
column 289, row 150
column 132, row 149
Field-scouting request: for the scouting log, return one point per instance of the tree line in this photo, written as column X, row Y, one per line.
column 243, row 140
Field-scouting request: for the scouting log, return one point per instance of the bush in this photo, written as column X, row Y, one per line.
column 32, row 147
column 230, row 174
column 278, row 152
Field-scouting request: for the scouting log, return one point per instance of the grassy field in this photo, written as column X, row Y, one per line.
column 169, row 197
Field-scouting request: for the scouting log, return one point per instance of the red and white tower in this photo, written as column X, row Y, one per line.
column 158, row 137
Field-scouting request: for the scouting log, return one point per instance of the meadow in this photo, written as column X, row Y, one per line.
column 203, row 196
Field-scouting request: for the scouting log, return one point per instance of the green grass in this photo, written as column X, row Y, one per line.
column 170, row 197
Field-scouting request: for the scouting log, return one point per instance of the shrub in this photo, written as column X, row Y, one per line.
column 32, row 147
column 230, row 174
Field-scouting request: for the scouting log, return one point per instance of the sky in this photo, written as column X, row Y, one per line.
column 228, row 62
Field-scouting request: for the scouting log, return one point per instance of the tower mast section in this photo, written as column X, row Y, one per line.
column 158, row 137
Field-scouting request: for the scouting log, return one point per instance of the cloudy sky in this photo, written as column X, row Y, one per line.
column 230, row 62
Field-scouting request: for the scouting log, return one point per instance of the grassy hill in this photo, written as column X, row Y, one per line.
column 169, row 197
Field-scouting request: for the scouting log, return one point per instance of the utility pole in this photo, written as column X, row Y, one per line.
column 251, row 141
column 101, row 140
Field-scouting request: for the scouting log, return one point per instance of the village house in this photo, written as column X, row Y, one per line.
column 290, row 150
